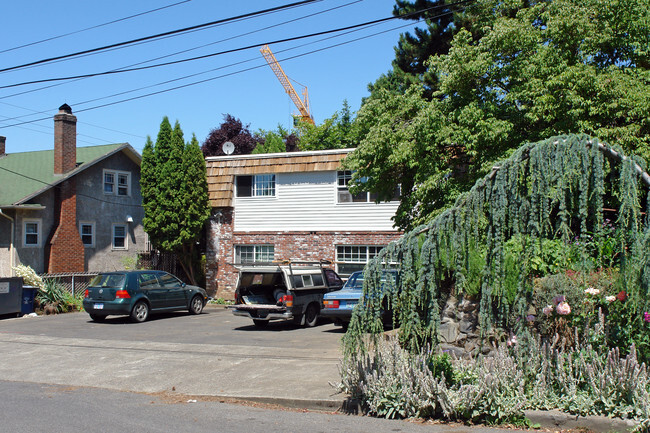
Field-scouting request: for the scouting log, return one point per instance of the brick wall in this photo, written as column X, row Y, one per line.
column 66, row 251
column 221, row 277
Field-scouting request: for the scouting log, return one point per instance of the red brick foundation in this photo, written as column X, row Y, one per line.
column 221, row 276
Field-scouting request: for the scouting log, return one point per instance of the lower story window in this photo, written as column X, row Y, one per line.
column 351, row 258
column 254, row 253
column 119, row 237
column 87, row 232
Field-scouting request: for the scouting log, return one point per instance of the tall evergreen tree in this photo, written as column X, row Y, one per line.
column 443, row 18
column 174, row 193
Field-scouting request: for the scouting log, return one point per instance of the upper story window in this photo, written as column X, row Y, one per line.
column 31, row 233
column 117, row 182
column 259, row 185
column 344, row 195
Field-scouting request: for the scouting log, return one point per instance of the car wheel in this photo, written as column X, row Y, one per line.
column 311, row 315
column 196, row 305
column 345, row 326
column 96, row 318
column 261, row 323
column 140, row 312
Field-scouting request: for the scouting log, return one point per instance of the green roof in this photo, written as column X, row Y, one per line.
column 26, row 173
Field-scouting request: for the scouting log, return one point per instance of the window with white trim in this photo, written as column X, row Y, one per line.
column 254, row 253
column 117, row 183
column 119, row 237
column 351, row 258
column 87, row 232
column 344, row 195
column 32, row 232
column 259, row 185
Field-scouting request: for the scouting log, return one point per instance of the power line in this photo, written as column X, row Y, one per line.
column 235, row 72
column 230, row 51
column 93, row 27
column 160, row 35
column 124, row 68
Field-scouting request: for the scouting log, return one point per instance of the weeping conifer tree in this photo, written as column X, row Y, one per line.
column 550, row 191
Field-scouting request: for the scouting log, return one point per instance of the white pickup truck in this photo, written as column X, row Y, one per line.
column 288, row 290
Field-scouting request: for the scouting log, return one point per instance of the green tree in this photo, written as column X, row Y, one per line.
column 280, row 140
column 175, row 194
column 523, row 71
column 442, row 19
column 336, row 132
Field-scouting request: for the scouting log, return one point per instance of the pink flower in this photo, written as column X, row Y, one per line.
column 547, row 310
column 610, row 298
column 563, row 309
column 530, row 318
column 622, row 296
column 558, row 299
column 592, row 291
column 646, row 317
column 512, row 340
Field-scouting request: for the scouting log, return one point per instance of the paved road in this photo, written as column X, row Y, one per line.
column 213, row 354
column 28, row 408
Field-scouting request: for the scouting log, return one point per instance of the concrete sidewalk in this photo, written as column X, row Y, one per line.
column 298, row 379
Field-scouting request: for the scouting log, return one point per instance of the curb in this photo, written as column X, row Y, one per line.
column 554, row 419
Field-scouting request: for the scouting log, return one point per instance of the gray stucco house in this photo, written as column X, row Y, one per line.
column 70, row 209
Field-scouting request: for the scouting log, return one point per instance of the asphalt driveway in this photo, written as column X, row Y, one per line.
column 212, row 354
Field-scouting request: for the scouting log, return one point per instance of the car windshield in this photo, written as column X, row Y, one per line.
column 108, row 280
column 355, row 281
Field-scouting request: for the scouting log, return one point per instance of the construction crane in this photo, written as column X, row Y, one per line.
column 301, row 104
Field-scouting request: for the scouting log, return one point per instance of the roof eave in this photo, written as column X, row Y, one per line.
column 126, row 148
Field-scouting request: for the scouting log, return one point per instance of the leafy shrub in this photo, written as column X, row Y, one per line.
column 496, row 388
column 55, row 296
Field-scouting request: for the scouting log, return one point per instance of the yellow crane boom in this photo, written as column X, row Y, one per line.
column 301, row 104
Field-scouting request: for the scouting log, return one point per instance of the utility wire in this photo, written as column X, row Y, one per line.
column 183, row 51
column 230, row 51
column 234, row 72
column 93, row 27
column 160, row 35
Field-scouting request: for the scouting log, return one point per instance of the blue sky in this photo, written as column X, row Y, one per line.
column 255, row 96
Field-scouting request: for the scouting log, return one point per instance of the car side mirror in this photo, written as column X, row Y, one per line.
column 183, row 285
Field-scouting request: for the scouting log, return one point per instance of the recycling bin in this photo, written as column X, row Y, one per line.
column 27, row 304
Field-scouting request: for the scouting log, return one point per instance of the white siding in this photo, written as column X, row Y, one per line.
column 307, row 202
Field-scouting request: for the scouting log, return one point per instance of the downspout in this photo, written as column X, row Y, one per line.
column 11, row 241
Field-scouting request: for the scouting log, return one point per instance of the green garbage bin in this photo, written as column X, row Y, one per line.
column 27, row 305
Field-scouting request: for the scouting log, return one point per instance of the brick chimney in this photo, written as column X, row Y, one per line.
column 66, row 251
column 3, row 140
column 65, row 140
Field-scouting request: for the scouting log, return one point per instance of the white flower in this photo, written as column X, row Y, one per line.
column 592, row 291
column 610, row 298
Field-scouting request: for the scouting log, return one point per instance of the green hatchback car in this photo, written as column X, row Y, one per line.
column 140, row 293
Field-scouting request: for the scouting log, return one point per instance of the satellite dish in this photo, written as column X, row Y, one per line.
column 228, row 147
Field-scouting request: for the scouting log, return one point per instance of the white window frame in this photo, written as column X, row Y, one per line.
column 126, row 237
column 358, row 255
column 262, row 186
column 116, row 186
column 92, row 233
column 257, row 253
column 39, row 224
column 345, row 197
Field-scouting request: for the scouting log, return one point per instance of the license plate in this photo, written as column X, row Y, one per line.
column 98, row 306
